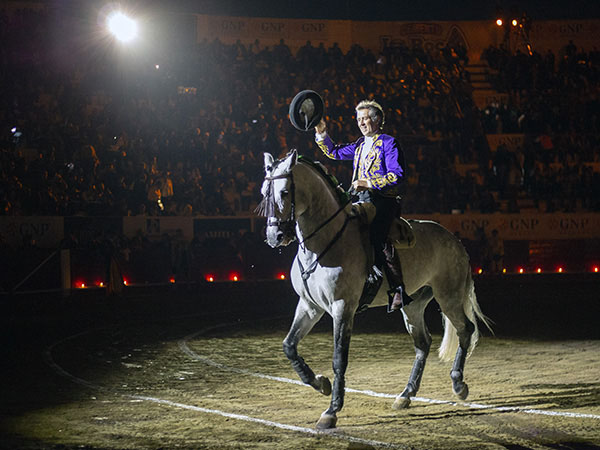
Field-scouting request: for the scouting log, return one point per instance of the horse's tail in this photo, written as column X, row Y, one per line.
column 472, row 310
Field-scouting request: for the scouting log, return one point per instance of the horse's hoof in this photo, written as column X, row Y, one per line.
column 327, row 421
column 323, row 384
column 401, row 403
column 463, row 392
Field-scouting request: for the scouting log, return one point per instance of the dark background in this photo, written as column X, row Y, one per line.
column 388, row 10
column 356, row 10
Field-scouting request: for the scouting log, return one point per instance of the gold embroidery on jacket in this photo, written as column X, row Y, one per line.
column 372, row 164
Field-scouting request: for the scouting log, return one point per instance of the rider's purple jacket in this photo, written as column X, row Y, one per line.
column 383, row 164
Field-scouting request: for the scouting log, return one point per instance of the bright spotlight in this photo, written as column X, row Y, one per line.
column 499, row 22
column 122, row 27
column 514, row 22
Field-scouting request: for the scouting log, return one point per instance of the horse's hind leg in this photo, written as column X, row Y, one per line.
column 414, row 319
column 304, row 320
column 465, row 331
column 456, row 319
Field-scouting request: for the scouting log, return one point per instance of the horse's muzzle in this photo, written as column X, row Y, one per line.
column 282, row 235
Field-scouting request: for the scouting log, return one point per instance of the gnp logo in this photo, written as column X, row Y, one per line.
column 426, row 36
column 520, row 224
column 571, row 224
column 472, row 225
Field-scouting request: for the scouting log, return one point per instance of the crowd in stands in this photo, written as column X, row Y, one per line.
column 100, row 134
column 554, row 101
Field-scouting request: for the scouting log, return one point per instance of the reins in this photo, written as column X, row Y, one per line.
column 326, row 222
column 310, row 269
column 306, row 272
column 268, row 208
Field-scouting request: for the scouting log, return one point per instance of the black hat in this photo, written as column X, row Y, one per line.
column 306, row 110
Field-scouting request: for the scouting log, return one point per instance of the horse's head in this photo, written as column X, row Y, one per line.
column 279, row 199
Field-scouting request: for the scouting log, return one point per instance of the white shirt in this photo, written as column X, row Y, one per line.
column 366, row 148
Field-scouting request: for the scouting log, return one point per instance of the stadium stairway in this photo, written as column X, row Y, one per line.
column 483, row 91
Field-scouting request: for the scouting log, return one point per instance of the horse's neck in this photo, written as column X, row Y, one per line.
column 322, row 205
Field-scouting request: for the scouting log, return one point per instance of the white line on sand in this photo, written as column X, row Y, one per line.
column 335, row 434
column 185, row 348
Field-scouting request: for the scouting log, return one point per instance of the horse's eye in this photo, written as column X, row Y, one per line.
column 284, row 193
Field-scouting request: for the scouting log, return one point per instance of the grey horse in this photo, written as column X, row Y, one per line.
column 328, row 273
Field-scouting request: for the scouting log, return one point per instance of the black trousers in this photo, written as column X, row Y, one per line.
column 387, row 208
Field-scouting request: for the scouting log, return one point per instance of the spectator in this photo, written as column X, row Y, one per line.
column 89, row 145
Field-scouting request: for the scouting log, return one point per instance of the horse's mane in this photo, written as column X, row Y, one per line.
column 342, row 196
column 265, row 207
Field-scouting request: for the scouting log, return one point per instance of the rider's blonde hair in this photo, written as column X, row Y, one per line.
column 375, row 111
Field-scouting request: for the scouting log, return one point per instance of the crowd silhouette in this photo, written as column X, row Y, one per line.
column 553, row 101
column 186, row 137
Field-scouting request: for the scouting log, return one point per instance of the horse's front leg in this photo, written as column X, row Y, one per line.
column 304, row 320
column 343, row 320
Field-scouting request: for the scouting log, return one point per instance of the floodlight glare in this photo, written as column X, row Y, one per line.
column 122, row 27
column 499, row 22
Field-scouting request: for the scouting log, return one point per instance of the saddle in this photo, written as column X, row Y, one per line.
column 401, row 236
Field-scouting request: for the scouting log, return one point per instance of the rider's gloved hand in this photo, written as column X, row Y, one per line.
column 361, row 185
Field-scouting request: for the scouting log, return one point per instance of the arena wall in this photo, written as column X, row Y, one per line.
column 48, row 232
column 474, row 35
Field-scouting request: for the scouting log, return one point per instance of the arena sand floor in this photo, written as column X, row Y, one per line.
column 164, row 371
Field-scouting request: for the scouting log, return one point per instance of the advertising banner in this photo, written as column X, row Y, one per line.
column 43, row 232
column 48, row 232
column 269, row 31
column 522, row 226
column 224, row 227
column 475, row 36
column 555, row 35
column 154, row 227
column 87, row 231
column 510, row 141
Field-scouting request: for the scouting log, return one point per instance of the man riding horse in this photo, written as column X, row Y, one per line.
column 377, row 179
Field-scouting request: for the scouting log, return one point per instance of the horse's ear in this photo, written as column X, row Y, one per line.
column 290, row 160
column 268, row 162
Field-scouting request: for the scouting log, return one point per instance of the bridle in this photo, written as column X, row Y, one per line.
column 287, row 226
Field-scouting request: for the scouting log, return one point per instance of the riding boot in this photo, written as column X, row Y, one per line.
column 397, row 296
